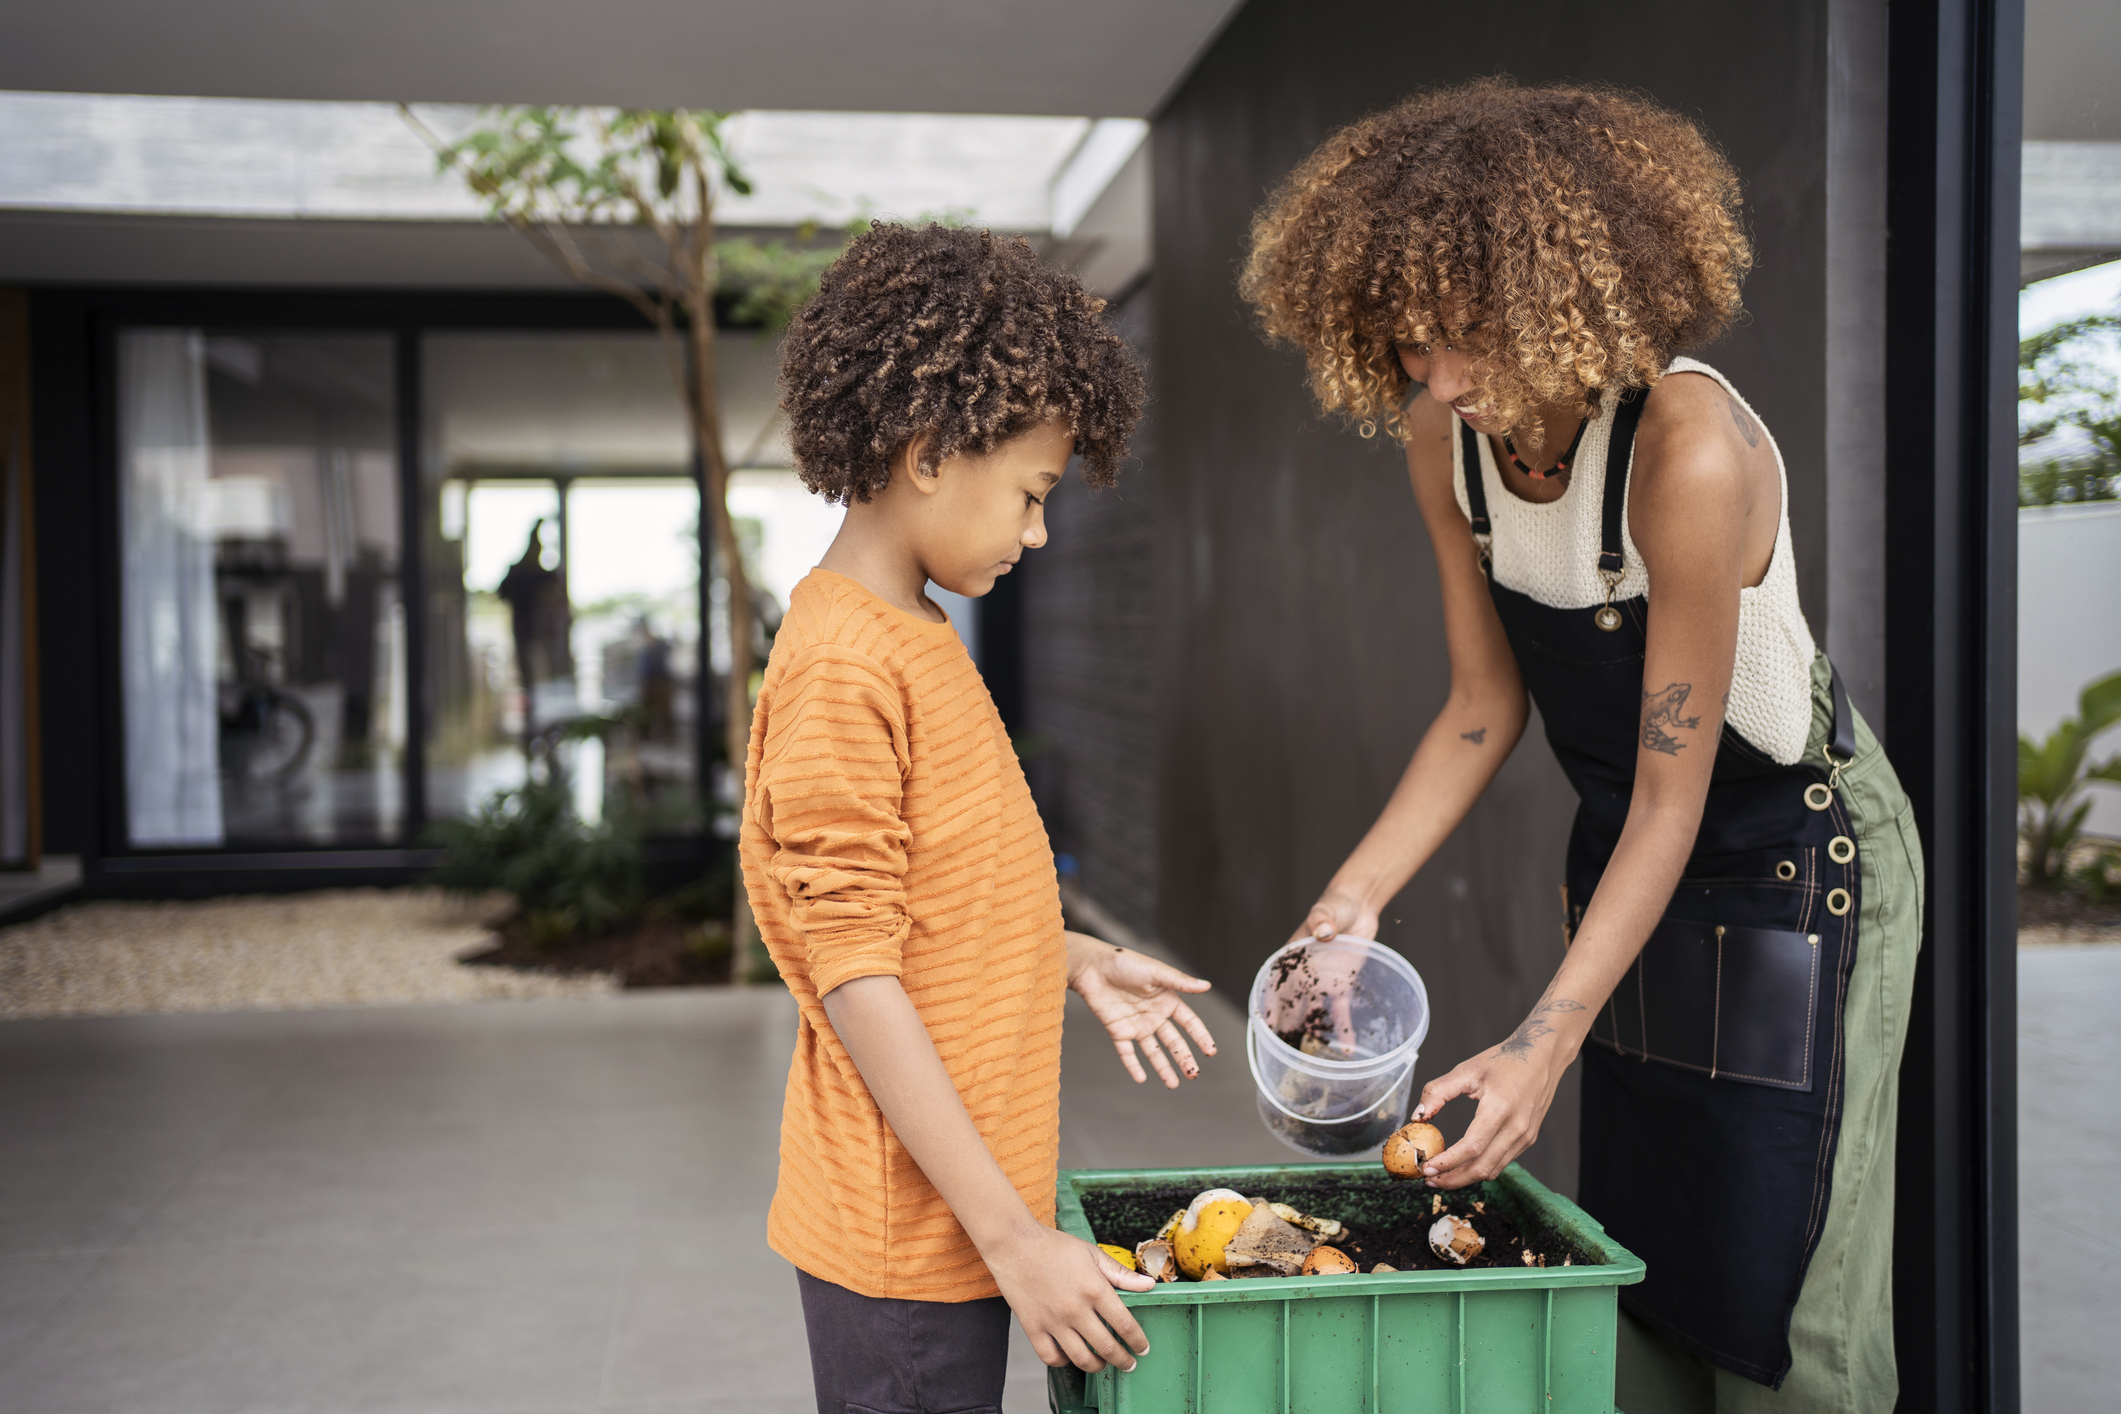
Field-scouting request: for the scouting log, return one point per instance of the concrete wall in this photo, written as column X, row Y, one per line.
column 2069, row 623
column 1298, row 649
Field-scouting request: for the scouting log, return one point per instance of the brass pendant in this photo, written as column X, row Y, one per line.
column 1607, row 618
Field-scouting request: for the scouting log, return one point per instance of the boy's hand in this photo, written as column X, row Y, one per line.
column 1060, row 1288
column 1139, row 1000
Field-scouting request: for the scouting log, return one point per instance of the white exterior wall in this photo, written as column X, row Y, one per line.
column 2069, row 623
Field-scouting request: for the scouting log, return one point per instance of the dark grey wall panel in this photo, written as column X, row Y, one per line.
column 1088, row 606
column 1300, row 653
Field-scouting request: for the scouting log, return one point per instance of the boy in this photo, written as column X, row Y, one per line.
column 937, row 386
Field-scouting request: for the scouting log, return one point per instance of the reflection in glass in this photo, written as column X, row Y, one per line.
column 563, row 570
column 262, row 640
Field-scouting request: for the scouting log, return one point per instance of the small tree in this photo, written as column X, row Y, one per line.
column 2065, row 383
column 623, row 200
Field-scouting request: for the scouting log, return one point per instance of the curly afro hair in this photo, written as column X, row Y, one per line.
column 1569, row 239
column 958, row 334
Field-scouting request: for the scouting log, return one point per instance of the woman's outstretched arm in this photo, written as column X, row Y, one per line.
column 1695, row 490
column 1480, row 722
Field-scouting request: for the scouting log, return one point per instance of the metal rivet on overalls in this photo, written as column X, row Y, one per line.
column 1785, row 871
column 1818, row 795
column 1838, row 902
column 1812, row 938
column 1841, row 849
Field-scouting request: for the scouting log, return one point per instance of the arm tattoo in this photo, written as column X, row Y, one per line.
column 1745, row 424
column 1661, row 710
column 1476, row 736
column 1536, row 1025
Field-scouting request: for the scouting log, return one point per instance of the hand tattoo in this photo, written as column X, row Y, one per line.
column 1745, row 424
column 1536, row 1025
column 1476, row 736
column 1661, row 710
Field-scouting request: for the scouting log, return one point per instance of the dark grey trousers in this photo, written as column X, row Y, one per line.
column 879, row 1355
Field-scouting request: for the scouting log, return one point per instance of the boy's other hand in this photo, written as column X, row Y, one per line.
column 1061, row 1289
column 1141, row 1002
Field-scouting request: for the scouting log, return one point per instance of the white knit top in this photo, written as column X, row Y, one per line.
column 1549, row 553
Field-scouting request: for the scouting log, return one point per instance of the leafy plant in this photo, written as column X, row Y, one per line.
column 2052, row 777
column 569, row 879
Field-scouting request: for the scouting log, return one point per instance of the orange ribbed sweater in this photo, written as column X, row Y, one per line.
column 888, row 831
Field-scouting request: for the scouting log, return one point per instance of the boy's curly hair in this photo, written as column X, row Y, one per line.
column 956, row 333
column 1569, row 239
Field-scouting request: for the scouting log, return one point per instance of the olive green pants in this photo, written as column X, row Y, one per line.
column 1841, row 1334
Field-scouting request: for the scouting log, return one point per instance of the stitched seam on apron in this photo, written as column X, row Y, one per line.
column 1822, row 1164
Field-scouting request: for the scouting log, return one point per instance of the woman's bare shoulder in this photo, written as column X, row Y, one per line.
column 1697, row 410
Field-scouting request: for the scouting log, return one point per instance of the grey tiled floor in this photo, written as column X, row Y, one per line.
column 502, row 1207
column 2069, row 1176
column 556, row 1207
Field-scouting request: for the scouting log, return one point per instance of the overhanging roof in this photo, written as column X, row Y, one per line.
column 1100, row 58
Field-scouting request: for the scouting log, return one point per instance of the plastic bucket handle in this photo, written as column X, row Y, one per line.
column 1267, row 1092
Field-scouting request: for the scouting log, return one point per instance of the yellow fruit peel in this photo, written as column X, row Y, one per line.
column 1120, row 1255
column 1210, row 1221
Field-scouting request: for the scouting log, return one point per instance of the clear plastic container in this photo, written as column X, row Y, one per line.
column 1335, row 1029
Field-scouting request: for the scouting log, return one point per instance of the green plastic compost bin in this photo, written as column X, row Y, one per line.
column 1489, row 1340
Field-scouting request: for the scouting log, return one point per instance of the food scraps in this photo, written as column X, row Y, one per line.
column 1120, row 1255
column 1455, row 1239
column 1267, row 1246
column 1411, row 1147
column 1205, row 1229
column 1325, row 1261
column 1153, row 1258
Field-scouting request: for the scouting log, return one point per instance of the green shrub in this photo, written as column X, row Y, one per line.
column 568, row 879
column 2052, row 777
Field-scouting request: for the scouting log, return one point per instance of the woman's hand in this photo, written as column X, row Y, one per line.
column 1141, row 1002
column 1338, row 911
column 1514, row 1084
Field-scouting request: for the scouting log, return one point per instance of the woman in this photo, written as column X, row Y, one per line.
column 1611, row 529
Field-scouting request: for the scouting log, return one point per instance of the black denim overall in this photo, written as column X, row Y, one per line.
column 1712, row 1082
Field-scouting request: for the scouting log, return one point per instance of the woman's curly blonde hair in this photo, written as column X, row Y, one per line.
column 1568, row 239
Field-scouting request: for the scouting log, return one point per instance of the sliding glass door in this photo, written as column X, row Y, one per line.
column 262, row 637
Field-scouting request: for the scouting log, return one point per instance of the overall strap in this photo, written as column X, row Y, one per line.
column 1619, row 461
column 1476, row 490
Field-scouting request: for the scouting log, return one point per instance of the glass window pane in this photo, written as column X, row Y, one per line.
column 262, row 628
column 563, row 569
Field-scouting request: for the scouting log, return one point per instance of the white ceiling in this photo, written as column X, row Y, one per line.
column 332, row 160
column 1100, row 58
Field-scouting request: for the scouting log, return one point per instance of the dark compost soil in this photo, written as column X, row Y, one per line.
column 1387, row 1221
column 662, row 952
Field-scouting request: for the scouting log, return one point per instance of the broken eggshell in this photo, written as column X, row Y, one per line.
column 1325, row 1261
column 1454, row 1239
column 1411, row 1147
column 1153, row 1258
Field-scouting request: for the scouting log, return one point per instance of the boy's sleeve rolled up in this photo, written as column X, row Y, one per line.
column 833, row 770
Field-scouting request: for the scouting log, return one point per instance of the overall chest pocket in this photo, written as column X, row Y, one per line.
column 1730, row 1002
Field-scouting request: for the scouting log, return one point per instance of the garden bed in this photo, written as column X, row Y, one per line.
column 660, row 952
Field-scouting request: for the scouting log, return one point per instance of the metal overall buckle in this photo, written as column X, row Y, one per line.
column 1608, row 617
column 1819, row 795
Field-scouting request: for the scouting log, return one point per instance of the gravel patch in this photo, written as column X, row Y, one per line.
column 2068, row 935
column 333, row 948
